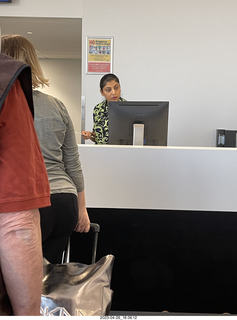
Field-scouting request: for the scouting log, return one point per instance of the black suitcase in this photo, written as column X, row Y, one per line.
column 95, row 227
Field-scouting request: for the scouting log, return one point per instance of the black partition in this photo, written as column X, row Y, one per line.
column 180, row 261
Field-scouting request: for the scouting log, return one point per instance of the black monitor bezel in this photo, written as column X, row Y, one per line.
column 161, row 114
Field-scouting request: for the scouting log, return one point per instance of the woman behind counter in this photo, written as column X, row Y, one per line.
column 109, row 88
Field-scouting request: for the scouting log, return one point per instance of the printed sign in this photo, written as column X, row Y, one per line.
column 99, row 55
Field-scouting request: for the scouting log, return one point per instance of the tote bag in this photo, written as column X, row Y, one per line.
column 77, row 289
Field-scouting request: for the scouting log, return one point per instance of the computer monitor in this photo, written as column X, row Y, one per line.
column 151, row 115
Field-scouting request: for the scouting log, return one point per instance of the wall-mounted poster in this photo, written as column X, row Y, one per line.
column 99, row 54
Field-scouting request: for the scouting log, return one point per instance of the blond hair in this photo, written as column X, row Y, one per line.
column 20, row 48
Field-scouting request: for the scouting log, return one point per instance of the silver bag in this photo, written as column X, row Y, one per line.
column 77, row 289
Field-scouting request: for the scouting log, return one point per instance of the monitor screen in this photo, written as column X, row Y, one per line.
column 151, row 115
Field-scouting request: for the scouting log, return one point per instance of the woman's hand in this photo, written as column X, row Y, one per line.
column 83, row 224
column 88, row 135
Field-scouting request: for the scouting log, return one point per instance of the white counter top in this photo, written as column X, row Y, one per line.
column 176, row 178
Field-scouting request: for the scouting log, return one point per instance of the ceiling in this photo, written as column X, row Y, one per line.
column 58, row 38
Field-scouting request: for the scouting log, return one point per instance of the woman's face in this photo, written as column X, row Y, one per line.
column 111, row 91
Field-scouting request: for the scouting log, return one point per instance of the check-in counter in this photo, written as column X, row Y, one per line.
column 169, row 216
column 173, row 178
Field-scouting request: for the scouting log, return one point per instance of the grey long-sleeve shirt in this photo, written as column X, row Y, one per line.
column 58, row 144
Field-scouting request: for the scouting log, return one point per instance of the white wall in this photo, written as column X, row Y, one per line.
column 183, row 51
column 44, row 8
column 65, row 84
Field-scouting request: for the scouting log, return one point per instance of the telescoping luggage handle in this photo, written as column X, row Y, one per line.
column 95, row 227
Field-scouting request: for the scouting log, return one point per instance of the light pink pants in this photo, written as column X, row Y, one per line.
column 21, row 262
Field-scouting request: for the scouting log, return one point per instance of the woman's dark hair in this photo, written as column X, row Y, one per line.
column 107, row 78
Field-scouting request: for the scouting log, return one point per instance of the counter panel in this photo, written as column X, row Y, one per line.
column 167, row 178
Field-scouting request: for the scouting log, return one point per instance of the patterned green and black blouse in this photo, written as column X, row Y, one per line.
column 100, row 118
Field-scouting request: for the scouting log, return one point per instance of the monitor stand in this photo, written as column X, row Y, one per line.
column 138, row 134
